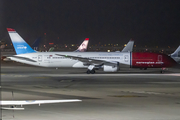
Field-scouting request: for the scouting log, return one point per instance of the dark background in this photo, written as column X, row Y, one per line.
column 148, row 22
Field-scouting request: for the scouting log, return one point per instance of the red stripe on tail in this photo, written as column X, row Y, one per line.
column 10, row 29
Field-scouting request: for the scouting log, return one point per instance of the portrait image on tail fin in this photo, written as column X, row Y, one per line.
column 83, row 46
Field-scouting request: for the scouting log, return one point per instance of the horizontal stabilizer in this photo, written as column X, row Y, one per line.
column 51, row 49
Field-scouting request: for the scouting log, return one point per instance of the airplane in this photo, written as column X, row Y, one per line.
column 14, row 103
column 108, row 61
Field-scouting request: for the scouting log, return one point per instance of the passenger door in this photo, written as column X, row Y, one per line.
column 126, row 58
column 39, row 58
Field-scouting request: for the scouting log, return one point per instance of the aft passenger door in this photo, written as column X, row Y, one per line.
column 39, row 58
column 126, row 58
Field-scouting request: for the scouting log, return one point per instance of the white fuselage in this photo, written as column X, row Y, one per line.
column 50, row 59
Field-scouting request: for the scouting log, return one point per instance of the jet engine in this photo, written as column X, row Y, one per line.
column 114, row 68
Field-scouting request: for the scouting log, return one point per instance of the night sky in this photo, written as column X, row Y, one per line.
column 148, row 22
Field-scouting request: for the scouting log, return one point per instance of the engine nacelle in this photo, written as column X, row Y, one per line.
column 111, row 68
column 79, row 65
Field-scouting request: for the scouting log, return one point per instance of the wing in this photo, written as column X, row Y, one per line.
column 90, row 60
column 31, row 102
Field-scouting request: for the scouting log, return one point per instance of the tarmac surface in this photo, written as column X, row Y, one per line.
column 130, row 94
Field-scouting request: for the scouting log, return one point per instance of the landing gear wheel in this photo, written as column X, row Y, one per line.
column 88, row 72
column 163, row 70
column 92, row 71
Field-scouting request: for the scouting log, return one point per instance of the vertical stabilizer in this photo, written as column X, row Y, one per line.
column 128, row 47
column 20, row 46
column 83, row 46
column 176, row 55
column 36, row 43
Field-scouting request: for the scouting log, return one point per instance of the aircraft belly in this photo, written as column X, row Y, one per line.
column 124, row 65
column 65, row 63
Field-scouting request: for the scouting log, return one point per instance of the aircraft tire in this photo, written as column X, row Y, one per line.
column 88, row 72
column 92, row 71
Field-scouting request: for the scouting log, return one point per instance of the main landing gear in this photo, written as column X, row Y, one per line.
column 163, row 70
column 91, row 71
